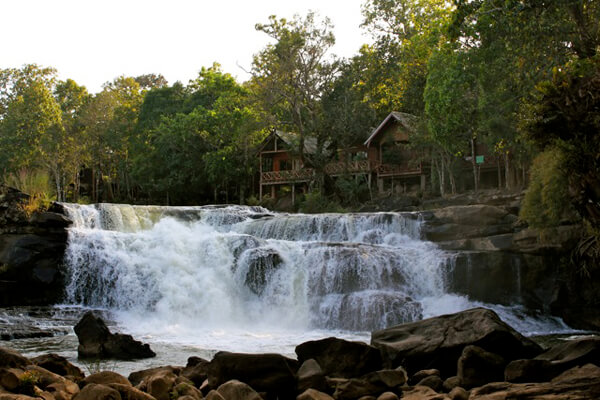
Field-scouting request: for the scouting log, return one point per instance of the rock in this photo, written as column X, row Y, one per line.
column 196, row 370
column 388, row 396
column 9, row 378
column 95, row 391
column 270, row 373
column 522, row 371
column 371, row 384
column 237, row 390
column 46, row 379
column 578, row 383
column 11, row 359
column 422, row 393
column 214, row 395
column 59, row 365
column 433, row 381
column 458, row 393
column 451, row 383
column 186, row 390
column 341, row 358
column 459, row 222
column 138, row 376
column 476, row 367
column 96, row 341
column 159, row 384
column 104, row 378
column 424, row 373
column 312, row 394
column 554, row 361
column 130, row 393
column 438, row 342
column 311, row 376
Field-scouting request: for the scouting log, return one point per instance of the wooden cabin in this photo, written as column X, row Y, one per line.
column 395, row 162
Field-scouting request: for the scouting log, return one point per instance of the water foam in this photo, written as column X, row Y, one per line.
column 242, row 274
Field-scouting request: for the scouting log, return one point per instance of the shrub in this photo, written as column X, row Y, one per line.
column 314, row 202
column 547, row 199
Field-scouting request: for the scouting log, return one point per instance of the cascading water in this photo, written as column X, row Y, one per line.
column 174, row 272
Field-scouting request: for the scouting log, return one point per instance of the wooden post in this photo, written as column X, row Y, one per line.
column 272, row 191
column 293, row 194
column 260, row 166
column 423, row 182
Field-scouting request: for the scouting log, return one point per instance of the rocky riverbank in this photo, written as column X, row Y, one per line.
column 468, row 355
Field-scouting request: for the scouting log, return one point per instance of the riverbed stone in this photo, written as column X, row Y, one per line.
column 422, row 374
column 96, row 341
column 476, row 367
column 95, row 391
column 237, row 390
column 341, row 358
column 311, row 376
column 59, row 365
column 104, row 378
column 371, row 384
column 11, row 359
column 196, row 370
column 130, row 393
column 270, row 373
column 137, row 377
column 312, row 394
column 438, row 342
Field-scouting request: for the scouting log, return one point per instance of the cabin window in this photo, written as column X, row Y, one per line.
column 267, row 164
column 285, row 165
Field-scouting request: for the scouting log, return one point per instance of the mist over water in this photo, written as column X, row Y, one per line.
column 246, row 279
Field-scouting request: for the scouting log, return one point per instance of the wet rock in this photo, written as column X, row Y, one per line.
column 311, row 376
column 96, row 341
column 196, row 370
column 159, row 384
column 341, row 358
column 10, row 378
column 270, row 373
column 438, row 342
column 451, row 383
column 388, row 396
column 458, row 393
column 187, row 391
column 476, row 367
column 235, row 389
column 59, row 365
column 523, row 371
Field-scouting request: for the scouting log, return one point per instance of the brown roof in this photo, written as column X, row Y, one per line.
column 409, row 121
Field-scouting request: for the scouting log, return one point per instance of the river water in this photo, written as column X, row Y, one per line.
column 195, row 280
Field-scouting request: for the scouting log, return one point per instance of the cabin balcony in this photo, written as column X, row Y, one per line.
column 287, row 176
column 384, row 170
column 350, row 167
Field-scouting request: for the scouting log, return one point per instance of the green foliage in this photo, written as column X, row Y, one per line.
column 315, row 202
column 547, row 199
column 352, row 191
column 27, row 382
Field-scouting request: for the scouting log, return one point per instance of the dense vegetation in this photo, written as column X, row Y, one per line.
column 520, row 76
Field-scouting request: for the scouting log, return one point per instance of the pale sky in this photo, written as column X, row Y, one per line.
column 92, row 41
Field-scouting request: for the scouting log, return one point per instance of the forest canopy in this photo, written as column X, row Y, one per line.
column 520, row 76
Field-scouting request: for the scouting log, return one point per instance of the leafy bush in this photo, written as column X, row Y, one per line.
column 547, row 199
column 351, row 191
column 314, row 202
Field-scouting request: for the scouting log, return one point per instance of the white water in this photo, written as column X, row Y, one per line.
column 245, row 279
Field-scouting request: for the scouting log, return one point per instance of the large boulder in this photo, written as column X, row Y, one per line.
column 273, row 374
column 95, row 391
column 31, row 251
column 554, row 361
column 12, row 359
column 578, row 383
column 476, row 367
column 96, row 341
column 59, row 365
column 341, row 358
column 371, row 384
column 235, row 389
column 438, row 342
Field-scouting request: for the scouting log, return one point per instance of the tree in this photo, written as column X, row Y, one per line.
column 292, row 75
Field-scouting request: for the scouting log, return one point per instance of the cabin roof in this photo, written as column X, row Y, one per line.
column 409, row 121
column 292, row 140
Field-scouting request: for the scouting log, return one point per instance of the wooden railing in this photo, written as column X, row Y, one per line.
column 398, row 169
column 342, row 167
column 299, row 175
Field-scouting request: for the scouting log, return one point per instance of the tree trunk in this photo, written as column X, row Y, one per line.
column 506, row 171
column 474, row 164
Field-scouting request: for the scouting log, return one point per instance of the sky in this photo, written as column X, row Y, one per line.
column 93, row 41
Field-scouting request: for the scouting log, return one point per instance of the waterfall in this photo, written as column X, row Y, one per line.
column 246, row 267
